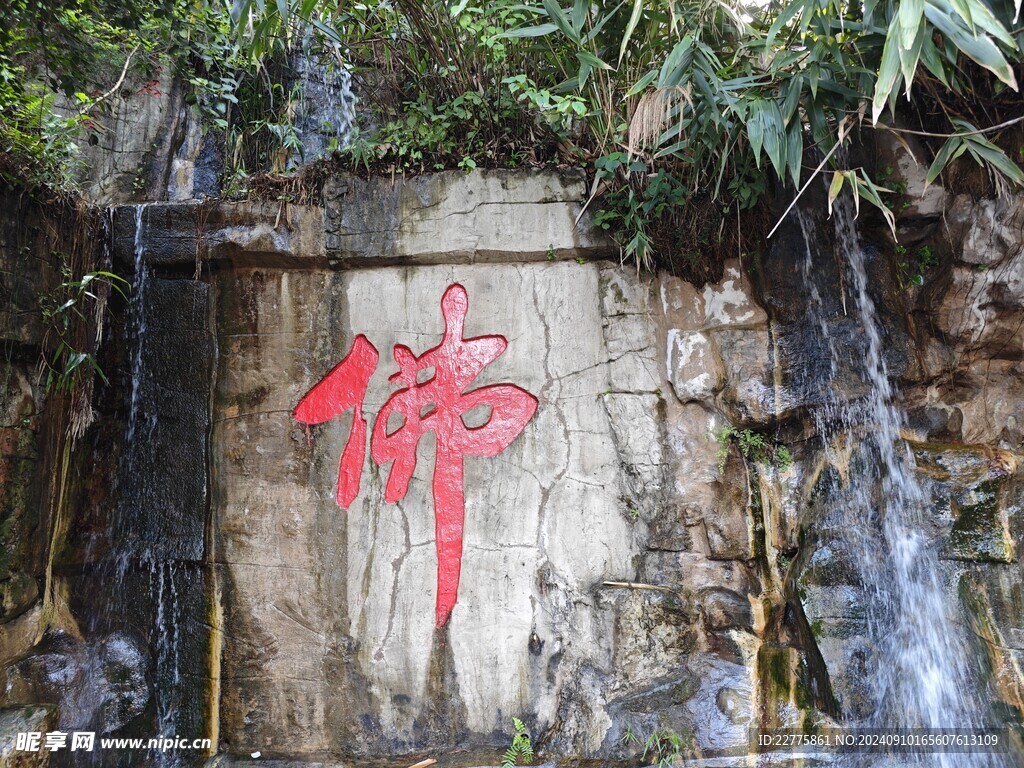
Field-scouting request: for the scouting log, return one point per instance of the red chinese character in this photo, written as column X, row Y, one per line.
column 343, row 388
column 437, row 403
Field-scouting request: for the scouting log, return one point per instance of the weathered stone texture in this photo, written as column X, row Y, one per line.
column 452, row 217
column 623, row 572
column 22, row 720
column 242, row 234
column 310, row 588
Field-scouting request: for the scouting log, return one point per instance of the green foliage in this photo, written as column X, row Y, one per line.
column 62, row 310
column 860, row 186
column 984, row 152
column 688, row 111
column 448, row 89
column 753, row 446
column 700, row 89
column 63, row 61
column 520, row 752
column 663, row 747
column 912, row 267
column 635, row 209
column 56, row 60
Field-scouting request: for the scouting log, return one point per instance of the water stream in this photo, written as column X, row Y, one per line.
column 140, row 559
column 920, row 673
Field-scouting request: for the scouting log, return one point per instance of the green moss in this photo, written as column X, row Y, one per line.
column 828, row 480
column 783, row 679
column 978, row 533
column 758, row 546
column 773, row 669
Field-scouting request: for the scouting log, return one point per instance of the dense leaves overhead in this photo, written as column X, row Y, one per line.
column 680, row 108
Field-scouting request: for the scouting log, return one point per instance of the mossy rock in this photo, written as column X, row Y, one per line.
column 962, row 465
column 829, row 566
column 980, row 532
column 17, row 594
column 784, row 682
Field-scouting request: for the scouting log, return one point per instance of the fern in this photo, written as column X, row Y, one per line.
column 753, row 446
column 521, row 750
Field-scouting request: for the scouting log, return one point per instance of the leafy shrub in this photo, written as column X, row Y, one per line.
column 520, row 752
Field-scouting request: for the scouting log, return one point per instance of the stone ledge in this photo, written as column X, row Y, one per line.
column 442, row 218
column 245, row 234
column 455, row 217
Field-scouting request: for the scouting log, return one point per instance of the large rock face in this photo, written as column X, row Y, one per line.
column 637, row 572
column 337, row 606
column 623, row 573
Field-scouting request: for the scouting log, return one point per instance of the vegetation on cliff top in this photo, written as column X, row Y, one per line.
column 685, row 111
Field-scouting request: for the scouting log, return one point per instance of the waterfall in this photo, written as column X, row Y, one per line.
column 920, row 673
column 139, row 283
column 137, row 524
column 325, row 112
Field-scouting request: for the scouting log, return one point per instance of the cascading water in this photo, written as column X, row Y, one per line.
column 139, row 284
column 920, row 673
column 137, row 554
column 326, row 110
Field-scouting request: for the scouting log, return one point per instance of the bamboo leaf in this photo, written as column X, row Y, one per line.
column 910, row 56
column 869, row 10
column 789, row 10
column 794, row 88
column 239, row 8
column 992, row 155
column 596, row 29
column 909, row 17
column 755, row 132
column 980, row 49
column 775, row 137
column 864, row 186
column 641, row 84
column 932, row 62
column 538, row 31
column 579, row 15
column 795, row 150
column 888, row 72
column 669, row 74
column 961, row 8
column 977, row 17
column 819, row 123
column 950, row 151
column 634, row 18
column 557, row 15
column 586, row 57
column 835, row 188
column 330, row 32
column 583, row 76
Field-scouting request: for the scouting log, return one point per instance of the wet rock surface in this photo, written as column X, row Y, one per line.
column 100, row 686
column 629, row 571
column 17, row 720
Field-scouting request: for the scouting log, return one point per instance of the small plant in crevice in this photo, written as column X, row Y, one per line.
column 520, row 752
column 61, row 309
column 753, row 446
column 913, row 267
column 663, row 747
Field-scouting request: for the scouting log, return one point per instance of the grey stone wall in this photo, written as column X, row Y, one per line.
column 623, row 576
